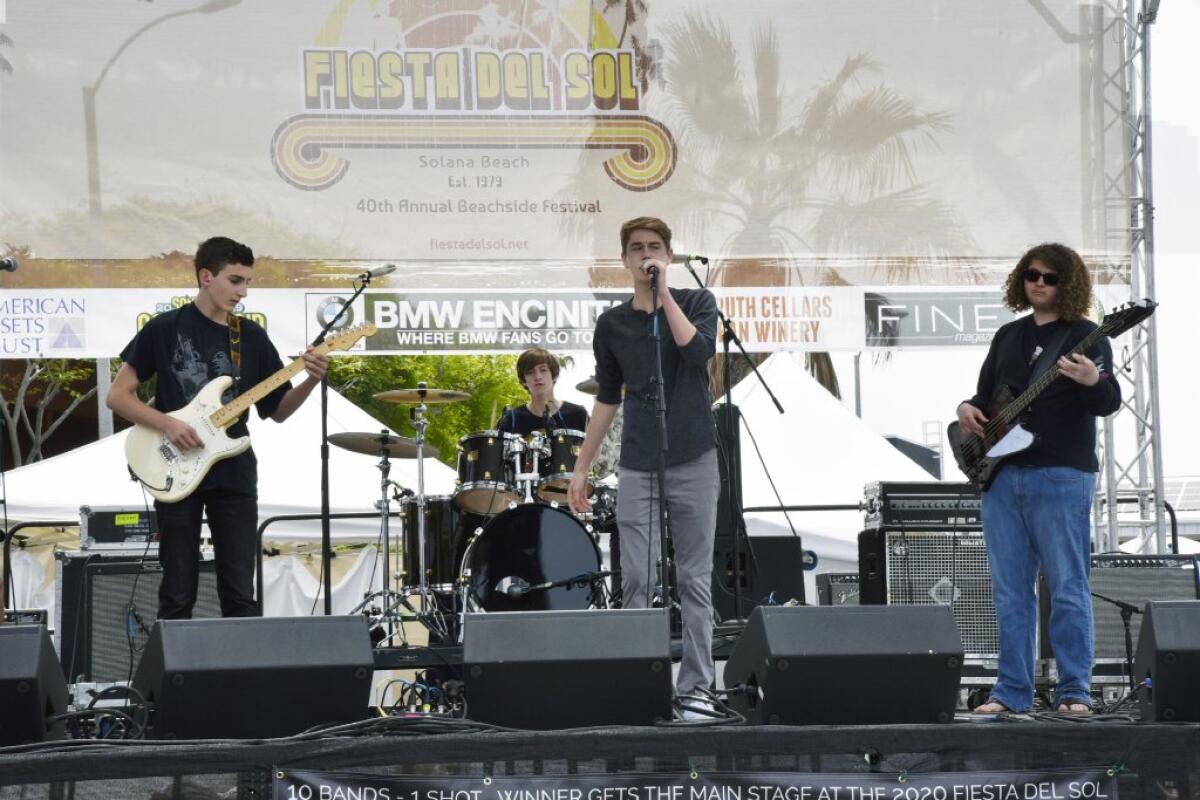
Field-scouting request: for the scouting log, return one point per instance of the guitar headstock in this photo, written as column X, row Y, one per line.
column 344, row 340
column 1125, row 316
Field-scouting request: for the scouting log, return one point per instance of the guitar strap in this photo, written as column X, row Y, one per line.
column 1050, row 354
column 235, row 351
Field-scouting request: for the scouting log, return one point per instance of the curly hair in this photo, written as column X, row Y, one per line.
column 1074, row 297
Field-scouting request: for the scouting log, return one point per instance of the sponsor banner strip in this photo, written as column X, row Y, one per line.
column 1094, row 783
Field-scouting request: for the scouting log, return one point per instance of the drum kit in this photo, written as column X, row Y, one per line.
column 504, row 541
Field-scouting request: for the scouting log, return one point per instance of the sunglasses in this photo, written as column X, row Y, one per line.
column 1031, row 275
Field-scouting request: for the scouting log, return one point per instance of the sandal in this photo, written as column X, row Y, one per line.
column 992, row 706
column 1073, row 707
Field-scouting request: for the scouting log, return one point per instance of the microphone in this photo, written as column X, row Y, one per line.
column 678, row 258
column 546, row 419
column 513, row 586
column 378, row 272
column 8, row 264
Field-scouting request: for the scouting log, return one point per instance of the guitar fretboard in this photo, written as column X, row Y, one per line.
column 1017, row 407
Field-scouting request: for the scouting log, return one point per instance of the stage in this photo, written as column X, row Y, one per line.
column 1149, row 760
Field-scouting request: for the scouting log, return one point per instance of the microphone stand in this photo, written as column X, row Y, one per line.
column 730, row 419
column 1127, row 612
column 660, row 413
column 364, row 281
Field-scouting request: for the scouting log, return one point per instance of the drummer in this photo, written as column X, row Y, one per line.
column 537, row 370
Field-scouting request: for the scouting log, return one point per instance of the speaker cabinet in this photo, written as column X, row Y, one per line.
column 1168, row 662
column 255, row 677
column 837, row 589
column 567, row 669
column 772, row 573
column 1133, row 579
column 104, row 599
column 846, row 665
column 32, row 686
column 946, row 568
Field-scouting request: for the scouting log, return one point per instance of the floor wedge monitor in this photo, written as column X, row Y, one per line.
column 846, row 665
column 568, row 669
column 32, row 686
column 256, row 677
column 1167, row 666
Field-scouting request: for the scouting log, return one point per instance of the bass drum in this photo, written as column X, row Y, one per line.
column 525, row 546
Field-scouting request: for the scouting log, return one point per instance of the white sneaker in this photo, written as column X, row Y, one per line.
column 695, row 708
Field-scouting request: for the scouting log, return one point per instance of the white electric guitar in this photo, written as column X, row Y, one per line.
column 170, row 474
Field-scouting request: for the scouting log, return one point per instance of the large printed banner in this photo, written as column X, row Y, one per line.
column 501, row 143
column 1095, row 784
column 98, row 323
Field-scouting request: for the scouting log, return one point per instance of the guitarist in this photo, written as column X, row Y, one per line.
column 186, row 348
column 1036, row 511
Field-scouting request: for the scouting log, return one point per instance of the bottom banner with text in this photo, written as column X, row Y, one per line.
column 1049, row 785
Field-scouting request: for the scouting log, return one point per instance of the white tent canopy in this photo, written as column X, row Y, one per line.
column 289, row 475
column 817, row 453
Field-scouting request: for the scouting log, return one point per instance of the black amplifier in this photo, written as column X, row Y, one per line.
column 117, row 528
column 928, row 505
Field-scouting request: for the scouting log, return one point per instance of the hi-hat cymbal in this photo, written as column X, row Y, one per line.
column 590, row 386
column 382, row 443
column 430, row 397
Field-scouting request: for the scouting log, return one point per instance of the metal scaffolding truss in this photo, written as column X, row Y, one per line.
column 1131, row 474
column 1114, row 59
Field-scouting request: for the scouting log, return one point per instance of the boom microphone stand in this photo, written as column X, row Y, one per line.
column 731, row 498
column 360, row 284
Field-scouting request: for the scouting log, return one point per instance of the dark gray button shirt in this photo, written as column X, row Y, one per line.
column 624, row 353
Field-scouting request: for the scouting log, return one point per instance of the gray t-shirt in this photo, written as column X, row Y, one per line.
column 624, row 353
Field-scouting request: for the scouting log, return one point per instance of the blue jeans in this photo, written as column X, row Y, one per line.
column 1039, row 516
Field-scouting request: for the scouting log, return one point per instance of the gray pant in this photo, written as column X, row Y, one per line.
column 692, row 490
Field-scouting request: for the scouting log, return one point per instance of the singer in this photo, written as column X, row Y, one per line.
column 537, row 370
column 686, row 321
column 186, row 348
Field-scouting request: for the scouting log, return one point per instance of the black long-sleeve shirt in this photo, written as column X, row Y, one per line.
column 625, row 356
column 1064, row 414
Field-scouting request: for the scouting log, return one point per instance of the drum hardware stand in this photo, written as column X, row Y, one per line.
column 428, row 612
column 528, row 479
column 730, row 419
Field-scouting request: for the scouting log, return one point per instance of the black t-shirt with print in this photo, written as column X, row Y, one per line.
column 186, row 350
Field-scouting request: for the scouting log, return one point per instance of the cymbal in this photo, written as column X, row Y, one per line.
column 590, row 386
column 430, row 397
column 382, row 443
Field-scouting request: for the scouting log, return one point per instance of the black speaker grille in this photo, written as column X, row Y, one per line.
column 1134, row 580
column 949, row 569
column 111, row 588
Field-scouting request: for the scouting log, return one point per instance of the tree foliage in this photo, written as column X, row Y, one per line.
column 27, row 402
column 490, row 380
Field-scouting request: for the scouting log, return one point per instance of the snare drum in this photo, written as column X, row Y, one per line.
column 486, row 480
column 525, row 546
column 558, row 466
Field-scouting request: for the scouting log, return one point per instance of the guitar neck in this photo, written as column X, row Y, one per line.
column 227, row 414
column 1017, row 407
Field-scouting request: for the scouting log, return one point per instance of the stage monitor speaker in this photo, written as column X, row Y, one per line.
column 1133, row 579
column 255, row 677
column 946, row 568
column 1168, row 662
column 567, row 669
column 837, row 589
column 103, row 599
column 847, row 665
column 772, row 573
column 32, row 686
